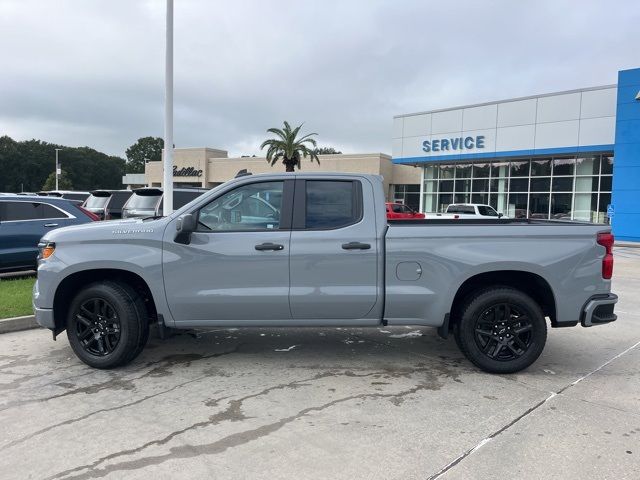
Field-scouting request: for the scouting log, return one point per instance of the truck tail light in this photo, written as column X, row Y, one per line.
column 89, row 214
column 606, row 240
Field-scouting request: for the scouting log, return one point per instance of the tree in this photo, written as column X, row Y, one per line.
column 288, row 148
column 326, row 151
column 25, row 165
column 145, row 149
column 64, row 183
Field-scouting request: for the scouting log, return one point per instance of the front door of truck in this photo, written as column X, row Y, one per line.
column 236, row 266
column 334, row 252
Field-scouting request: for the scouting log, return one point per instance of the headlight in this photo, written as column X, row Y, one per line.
column 46, row 249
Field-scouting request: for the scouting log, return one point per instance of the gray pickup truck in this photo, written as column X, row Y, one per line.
column 317, row 250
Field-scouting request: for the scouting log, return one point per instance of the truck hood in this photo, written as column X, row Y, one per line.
column 113, row 229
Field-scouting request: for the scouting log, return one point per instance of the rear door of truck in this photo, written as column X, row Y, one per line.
column 334, row 251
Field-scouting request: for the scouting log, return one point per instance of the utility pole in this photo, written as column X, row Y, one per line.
column 168, row 115
column 57, row 167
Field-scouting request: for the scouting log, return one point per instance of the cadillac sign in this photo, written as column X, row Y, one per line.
column 186, row 172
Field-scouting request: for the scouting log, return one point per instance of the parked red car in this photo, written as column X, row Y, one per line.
column 398, row 211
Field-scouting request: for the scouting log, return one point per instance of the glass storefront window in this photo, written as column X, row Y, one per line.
column 463, row 186
column 431, row 172
column 539, row 205
column 517, row 206
column 556, row 187
column 603, row 203
column 463, row 171
column 431, row 186
column 586, row 184
column 500, row 169
column 445, row 186
column 540, row 184
column 563, row 166
column 541, row 168
column 588, row 166
column 606, row 166
column 430, row 203
column 561, row 205
column 461, row 198
column 520, row 169
column 519, row 185
column 444, row 200
column 446, row 171
column 585, row 207
column 499, row 185
column 480, row 186
column 481, row 170
column 480, row 198
column 563, row 184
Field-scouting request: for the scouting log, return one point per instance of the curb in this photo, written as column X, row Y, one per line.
column 18, row 324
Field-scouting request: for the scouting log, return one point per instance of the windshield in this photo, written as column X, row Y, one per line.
column 143, row 201
column 96, row 201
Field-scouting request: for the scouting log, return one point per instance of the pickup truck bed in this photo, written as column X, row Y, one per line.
column 317, row 250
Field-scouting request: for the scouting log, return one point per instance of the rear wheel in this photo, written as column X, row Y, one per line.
column 107, row 324
column 501, row 330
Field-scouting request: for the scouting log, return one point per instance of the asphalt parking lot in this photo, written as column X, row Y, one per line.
column 327, row 403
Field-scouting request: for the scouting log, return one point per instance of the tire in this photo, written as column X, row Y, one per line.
column 107, row 324
column 501, row 330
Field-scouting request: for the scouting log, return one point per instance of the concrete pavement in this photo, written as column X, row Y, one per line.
column 327, row 403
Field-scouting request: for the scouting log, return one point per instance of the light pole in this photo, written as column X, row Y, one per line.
column 168, row 115
column 57, row 167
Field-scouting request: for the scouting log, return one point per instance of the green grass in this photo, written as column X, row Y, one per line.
column 15, row 297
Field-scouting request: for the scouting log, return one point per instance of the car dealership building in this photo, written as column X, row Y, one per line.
column 209, row 167
column 571, row 155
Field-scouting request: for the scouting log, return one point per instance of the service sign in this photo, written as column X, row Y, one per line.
column 453, row 144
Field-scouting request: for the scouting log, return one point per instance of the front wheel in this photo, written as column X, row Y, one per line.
column 501, row 330
column 107, row 325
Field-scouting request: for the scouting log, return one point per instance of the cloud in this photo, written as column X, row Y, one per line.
column 92, row 73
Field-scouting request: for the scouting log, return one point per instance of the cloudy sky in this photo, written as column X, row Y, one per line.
column 91, row 72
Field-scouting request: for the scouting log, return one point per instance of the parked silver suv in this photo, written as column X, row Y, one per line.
column 147, row 202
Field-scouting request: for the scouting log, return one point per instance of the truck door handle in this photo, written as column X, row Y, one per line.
column 269, row 246
column 50, row 224
column 356, row 246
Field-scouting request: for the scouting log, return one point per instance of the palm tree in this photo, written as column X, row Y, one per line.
column 288, row 148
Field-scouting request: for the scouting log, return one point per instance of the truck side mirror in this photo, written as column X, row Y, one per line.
column 500, row 215
column 185, row 226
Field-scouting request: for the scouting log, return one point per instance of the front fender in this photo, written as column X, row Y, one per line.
column 142, row 257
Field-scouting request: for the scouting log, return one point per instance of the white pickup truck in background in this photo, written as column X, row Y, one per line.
column 477, row 211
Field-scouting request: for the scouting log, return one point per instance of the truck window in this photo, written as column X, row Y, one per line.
column 466, row 209
column 251, row 207
column 487, row 211
column 332, row 204
column 398, row 208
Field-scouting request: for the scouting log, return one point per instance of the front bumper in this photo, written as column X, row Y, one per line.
column 599, row 310
column 44, row 317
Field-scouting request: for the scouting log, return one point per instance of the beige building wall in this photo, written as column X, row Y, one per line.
column 215, row 167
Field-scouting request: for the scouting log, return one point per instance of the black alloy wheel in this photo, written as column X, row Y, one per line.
column 501, row 329
column 97, row 326
column 107, row 324
column 503, row 332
